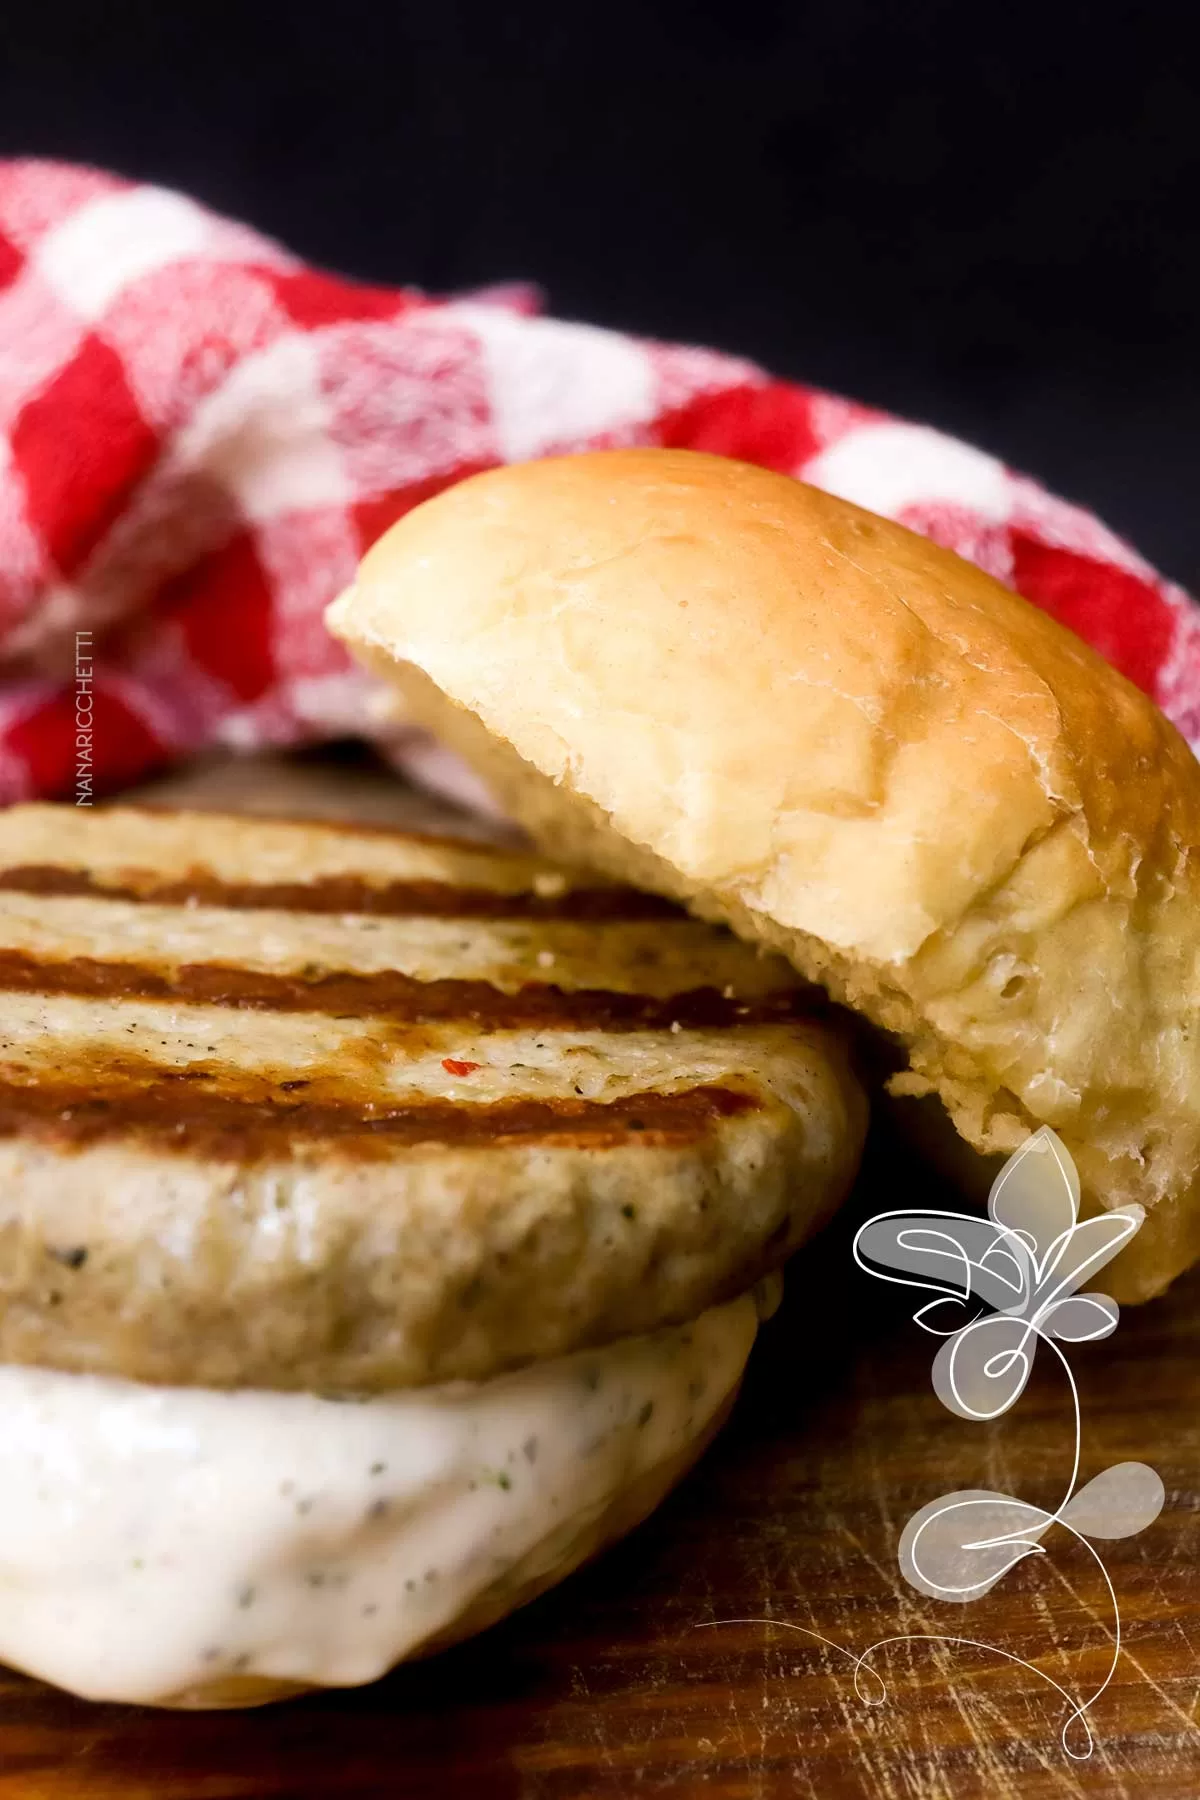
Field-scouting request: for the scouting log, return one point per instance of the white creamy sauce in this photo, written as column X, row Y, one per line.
column 154, row 1541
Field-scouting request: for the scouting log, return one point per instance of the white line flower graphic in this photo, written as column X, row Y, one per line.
column 1025, row 1260
column 1001, row 1285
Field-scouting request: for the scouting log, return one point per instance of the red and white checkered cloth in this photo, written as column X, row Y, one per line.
column 199, row 436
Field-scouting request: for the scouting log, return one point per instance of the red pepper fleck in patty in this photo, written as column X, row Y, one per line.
column 452, row 1066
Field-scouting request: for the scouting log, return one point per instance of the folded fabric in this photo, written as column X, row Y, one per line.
column 199, row 436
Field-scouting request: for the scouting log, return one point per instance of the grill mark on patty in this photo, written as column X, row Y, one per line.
column 392, row 995
column 346, row 894
column 508, row 841
column 196, row 1113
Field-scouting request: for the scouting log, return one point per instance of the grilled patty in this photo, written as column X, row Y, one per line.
column 299, row 1106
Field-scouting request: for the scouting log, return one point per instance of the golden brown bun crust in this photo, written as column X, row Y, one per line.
column 853, row 745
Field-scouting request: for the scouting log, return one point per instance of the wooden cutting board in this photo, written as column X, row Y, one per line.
column 630, row 1679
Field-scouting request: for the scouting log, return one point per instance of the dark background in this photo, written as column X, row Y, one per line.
column 981, row 215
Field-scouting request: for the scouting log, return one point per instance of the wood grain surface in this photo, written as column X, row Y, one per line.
column 630, row 1679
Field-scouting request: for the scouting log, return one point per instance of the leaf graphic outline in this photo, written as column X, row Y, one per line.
column 958, row 1547
column 1119, row 1502
column 1036, row 1196
column 922, row 1244
column 1093, row 1243
column 1080, row 1318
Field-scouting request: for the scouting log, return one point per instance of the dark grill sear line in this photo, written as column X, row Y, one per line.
column 169, row 1110
column 390, row 995
column 346, row 894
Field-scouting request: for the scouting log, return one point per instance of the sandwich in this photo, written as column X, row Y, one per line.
column 856, row 750
column 385, row 1223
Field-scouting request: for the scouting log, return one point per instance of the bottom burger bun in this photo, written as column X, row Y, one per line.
column 193, row 1548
